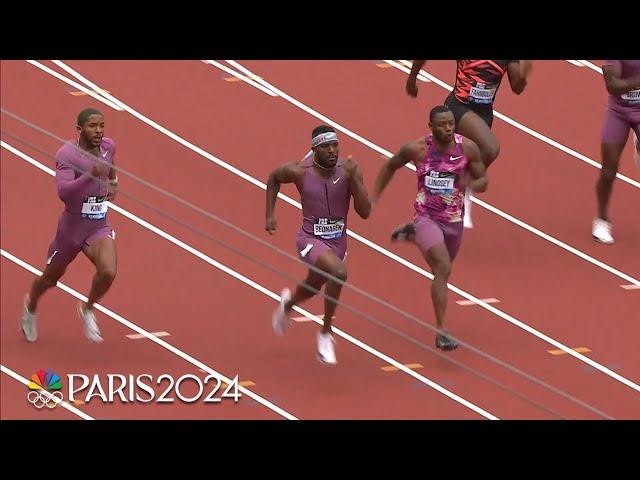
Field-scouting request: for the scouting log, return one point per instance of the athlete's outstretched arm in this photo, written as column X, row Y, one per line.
column 411, row 87
column 285, row 174
column 477, row 170
column 518, row 72
column 361, row 202
column 408, row 153
column 615, row 84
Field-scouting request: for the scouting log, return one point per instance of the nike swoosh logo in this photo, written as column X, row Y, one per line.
column 336, row 180
column 455, row 158
column 105, row 153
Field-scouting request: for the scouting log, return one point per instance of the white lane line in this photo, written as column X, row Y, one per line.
column 369, row 243
column 92, row 93
column 246, row 281
column 62, row 403
column 528, row 130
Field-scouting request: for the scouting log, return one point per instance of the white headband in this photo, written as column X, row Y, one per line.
column 324, row 138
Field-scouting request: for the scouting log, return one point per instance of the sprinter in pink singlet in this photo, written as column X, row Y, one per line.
column 446, row 164
column 86, row 181
column 326, row 185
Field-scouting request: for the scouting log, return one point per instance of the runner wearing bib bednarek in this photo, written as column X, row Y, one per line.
column 325, row 206
column 446, row 164
column 471, row 101
column 326, row 185
column 85, row 180
column 622, row 80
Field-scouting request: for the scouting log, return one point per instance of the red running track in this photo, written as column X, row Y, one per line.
column 255, row 132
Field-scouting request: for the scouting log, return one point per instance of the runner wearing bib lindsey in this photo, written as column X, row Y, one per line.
column 326, row 184
column 440, row 197
column 446, row 164
column 622, row 80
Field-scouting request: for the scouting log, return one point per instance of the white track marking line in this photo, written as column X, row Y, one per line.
column 74, row 84
column 466, row 303
column 151, row 337
column 370, row 244
column 527, row 130
column 246, row 281
column 592, row 66
column 138, row 336
column 62, row 403
column 235, row 74
column 482, row 203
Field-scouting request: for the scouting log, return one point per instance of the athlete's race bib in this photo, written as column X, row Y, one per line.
column 632, row 97
column 482, row 93
column 94, row 208
column 439, row 183
column 327, row 228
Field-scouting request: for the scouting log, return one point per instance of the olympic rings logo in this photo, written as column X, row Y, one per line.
column 42, row 398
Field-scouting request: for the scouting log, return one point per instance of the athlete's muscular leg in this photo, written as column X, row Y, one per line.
column 438, row 259
column 472, row 126
column 103, row 255
column 611, row 153
column 52, row 273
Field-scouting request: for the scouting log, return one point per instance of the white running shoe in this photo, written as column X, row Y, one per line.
column 90, row 323
column 280, row 320
column 466, row 221
column 601, row 231
column 326, row 352
column 29, row 322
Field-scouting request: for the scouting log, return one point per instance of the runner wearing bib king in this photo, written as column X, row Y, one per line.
column 85, row 180
column 622, row 79
column 471, row 101
column 84, row 219
column 446, row 164
column 326, row 185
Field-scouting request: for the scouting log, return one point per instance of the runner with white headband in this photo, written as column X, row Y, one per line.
column 326, row 185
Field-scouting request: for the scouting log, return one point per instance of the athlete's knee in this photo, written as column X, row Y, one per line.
column 313, row 282
column 608, row 174
column 47, row 281
column 108, row 273
column 441, row 268
column 49, row 278
column 490, row 151
column 340, row 272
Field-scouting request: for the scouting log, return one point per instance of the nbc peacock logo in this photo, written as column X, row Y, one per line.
column 45, row 389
